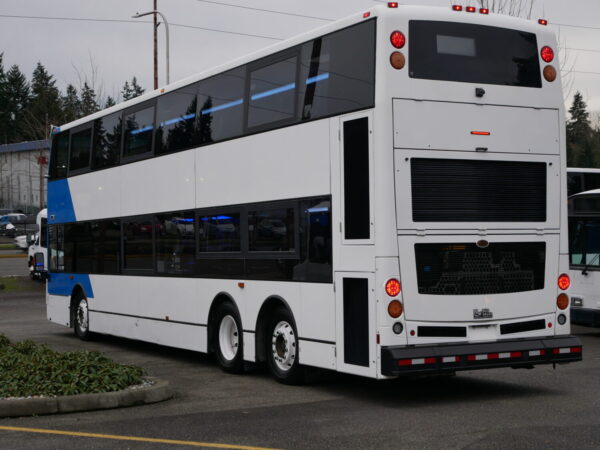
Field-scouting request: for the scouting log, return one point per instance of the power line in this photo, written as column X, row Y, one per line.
column 575, row 26
column 179, row 25
column 265, row 10
column 582, row 49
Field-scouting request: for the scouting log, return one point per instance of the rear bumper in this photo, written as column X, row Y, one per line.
column 486, row 355
column 583, row 316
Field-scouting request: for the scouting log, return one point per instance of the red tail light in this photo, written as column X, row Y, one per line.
column 456, row 7
column 484, row 11
column 543, row 22
column 392, row 4
column 392, row 287
column 564, row 282
column 470, row 9
column 398, row 39
column 547, row 54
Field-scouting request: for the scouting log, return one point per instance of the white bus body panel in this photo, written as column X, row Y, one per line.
column 58, row 310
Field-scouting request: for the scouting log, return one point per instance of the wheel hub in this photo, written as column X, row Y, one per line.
column 228, row 338
column 283, row 346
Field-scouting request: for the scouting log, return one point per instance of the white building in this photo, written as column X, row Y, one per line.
column 23, row 169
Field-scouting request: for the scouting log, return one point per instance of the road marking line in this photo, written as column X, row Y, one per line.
column 133, row 438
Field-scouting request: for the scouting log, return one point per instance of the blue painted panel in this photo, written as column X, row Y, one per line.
column 63, row 284
column 60, row 204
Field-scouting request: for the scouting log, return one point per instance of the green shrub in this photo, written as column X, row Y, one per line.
column 29, row 369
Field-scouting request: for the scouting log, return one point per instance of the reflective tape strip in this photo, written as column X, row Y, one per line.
column 536, row 352
column 560, row 351
column 450, row 359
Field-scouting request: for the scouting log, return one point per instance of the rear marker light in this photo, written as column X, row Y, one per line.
column 484, row 11
column 366, row 15
column 480, row 133
column 456, row 8
column 547, row 54
column 397, row 39
column 392, row 4
column 393, row 287
column 564, row 281
column 470, row 9
column 543, row 22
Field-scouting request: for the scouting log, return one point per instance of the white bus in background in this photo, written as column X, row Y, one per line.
column 584, row 239
column 582, row 179
column 38, row 250
column 380, row 196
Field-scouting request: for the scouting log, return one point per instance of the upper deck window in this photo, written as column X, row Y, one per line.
column 139, row 126
column 472, row 53
column 60, row 155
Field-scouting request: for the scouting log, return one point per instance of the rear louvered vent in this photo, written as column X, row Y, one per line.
column 455, row 190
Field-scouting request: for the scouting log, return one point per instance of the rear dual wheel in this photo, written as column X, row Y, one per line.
column 282, row 348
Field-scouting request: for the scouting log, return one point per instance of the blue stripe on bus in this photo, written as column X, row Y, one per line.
column 177, row 119
column 63, row 284
column 223, row 106
column 323, row 76
column 141, row 130
column 279, row 90
column 60, row 203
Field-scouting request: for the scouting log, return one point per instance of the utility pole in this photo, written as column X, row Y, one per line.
column 155, row 45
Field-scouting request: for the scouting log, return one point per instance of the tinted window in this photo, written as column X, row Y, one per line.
column 138, row 132
column 60, row 155
column 315, row 241
column 337, row 72
column 271, row 230
column 272, row 93
column 107, row 141
column 80, row 149
column 137, row 244
column 584, row 241
column 219, row 233
column 79, row 248
column 175, row 243
column 175, row 119
column 221, row 104
column 106, row 235
column 56, row 250
column 471, row 53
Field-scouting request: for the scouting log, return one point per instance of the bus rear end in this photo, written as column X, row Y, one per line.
column 477, row 131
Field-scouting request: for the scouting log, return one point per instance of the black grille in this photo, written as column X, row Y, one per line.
column 455, row 190
column 465, row 269
column 521, row 327
column 442, row 331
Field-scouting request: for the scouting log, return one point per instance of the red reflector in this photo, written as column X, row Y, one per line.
column 457, row 7
column 516, row 354
column 484, row 10
column 543, row 22
column 377, row 339
column 492, row 355
column 367, row 14
column 481, row 133
column 564, row 281
column 470, row 9
column 405, row 362
column 575, row 349
column 397, row 39
column 542, row 352
column 392, row 4
column 472, row 358
column 430, row 360
column 547, row 54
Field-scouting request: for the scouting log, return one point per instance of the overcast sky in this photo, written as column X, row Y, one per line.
column 120, row 50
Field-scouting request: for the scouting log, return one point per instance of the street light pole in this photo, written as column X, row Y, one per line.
column 155, row 34
column 138, row 15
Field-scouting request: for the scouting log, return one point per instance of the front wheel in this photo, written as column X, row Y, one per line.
column 282, row 348
column 228, row 339
column 82, row 320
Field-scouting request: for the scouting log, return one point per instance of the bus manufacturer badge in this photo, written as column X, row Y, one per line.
column 483, row 313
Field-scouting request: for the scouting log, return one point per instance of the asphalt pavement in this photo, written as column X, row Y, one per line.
column 544, row 407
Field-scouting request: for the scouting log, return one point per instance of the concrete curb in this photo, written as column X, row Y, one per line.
column 158, row 392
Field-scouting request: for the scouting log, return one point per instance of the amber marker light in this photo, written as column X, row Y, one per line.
column 549, row 73
column 395, row 309
column 397, row 60
column 564, row 281
column 393, row 287
column 562, row 301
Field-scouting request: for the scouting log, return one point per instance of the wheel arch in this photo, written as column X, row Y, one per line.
column 269, row 306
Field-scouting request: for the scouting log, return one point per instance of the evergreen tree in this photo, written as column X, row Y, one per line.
column 109, row 102
column 71, row 105
column 132, row 90
column 89, row 105
column 16, row 101
column 45, row 106
column 580, row 148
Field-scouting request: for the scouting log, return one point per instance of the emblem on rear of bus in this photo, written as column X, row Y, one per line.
column 483, row 313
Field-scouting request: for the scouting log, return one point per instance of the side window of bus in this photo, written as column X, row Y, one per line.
column 272, row 92
column 60, row 155
column 106, row 236
column 81, row 143
column 219, row 232
column 107, row 141
column 139, row 128
column 56, row 249
column 175, row 120
column 175, row 243
column 337, row 72
column 137, row 243
column 271, row 230
column 221, row 106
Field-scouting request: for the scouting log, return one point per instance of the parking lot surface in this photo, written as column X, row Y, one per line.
column 502, row 408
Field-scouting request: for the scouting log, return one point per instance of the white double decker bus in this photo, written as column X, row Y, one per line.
column 380, row 196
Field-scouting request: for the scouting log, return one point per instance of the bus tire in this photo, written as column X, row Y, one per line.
column 282, row 348
column 81, row 319
column 228, row 339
